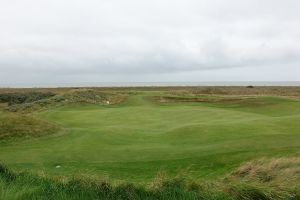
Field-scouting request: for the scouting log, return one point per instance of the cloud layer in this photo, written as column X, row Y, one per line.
column 73, row 41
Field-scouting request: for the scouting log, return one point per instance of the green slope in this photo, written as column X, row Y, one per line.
column 136, row 139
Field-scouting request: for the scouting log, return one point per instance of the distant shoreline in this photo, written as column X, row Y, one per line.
column 152, row 84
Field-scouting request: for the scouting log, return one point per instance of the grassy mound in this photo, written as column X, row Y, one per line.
column 16, row 126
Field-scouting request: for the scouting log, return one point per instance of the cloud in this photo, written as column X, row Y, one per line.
column 135, row 40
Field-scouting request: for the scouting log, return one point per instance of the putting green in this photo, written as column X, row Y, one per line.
column 134, row 140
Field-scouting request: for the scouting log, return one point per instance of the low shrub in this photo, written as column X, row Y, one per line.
column 28, row 97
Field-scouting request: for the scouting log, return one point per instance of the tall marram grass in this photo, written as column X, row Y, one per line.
column 23, row 186
column 27, row 186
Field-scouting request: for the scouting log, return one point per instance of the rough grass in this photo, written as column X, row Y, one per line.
column 183, row 90
column 281, row 172
column 291, row 91
column 28, row 186
column 233, row 100
column 73, row 96
column 267, row 178
column 13, row 126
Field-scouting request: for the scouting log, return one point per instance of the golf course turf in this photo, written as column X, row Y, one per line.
column 134, row 140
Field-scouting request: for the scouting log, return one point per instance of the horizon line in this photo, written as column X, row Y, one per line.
column 155, row 84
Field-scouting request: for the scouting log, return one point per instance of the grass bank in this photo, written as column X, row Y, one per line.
column 26, row 186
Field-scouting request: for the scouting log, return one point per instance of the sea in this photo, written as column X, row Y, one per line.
column 154, row 84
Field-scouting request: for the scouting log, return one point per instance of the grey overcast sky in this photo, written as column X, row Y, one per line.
column 57, row 42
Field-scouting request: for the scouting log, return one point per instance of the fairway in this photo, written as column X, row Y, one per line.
column 140, row 137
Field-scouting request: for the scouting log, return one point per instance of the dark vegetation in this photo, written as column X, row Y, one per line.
column 36, row 100
column 21, row 97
